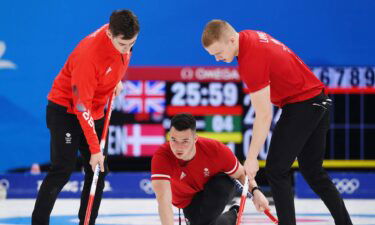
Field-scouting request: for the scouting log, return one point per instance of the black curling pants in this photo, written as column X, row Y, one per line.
column 301, row 133
column 207, row 206
column 66, row 139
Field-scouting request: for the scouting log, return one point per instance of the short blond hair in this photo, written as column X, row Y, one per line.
column 215, row 30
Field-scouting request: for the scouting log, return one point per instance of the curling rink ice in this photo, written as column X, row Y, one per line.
column 144, row 212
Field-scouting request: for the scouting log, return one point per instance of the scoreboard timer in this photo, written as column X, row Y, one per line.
column 220, row 103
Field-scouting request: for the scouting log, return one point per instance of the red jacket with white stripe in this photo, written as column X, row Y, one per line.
column 87, row 80
column 187, row 178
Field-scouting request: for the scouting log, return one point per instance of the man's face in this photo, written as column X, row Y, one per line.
column 223, row 50
column 122, row 45
column 182, row 143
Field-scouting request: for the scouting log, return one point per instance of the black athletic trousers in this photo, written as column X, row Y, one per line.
column 66, row 139
column 207, row 206
column 301, row 133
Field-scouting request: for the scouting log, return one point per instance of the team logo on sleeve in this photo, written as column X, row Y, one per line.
column 206, row 172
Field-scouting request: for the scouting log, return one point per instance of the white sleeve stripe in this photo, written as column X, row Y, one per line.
column 234, row 169
column 160, row 175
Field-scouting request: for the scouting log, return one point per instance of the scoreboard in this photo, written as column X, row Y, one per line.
column 220, row 103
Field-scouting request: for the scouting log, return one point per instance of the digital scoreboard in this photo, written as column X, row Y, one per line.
column 220, row 103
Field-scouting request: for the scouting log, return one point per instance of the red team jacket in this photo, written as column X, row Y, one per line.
column 189, row 177
column 87, row 79
column 263, row 60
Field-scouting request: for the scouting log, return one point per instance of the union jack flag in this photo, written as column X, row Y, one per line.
column 144, row 97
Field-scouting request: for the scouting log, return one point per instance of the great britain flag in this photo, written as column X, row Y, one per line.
column 144, row 97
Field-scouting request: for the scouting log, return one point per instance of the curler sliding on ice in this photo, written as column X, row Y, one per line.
column 195, row 174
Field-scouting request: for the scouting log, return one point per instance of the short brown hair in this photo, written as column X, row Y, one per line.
column 214, row 31
column 183, row 121
column 125, row 23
